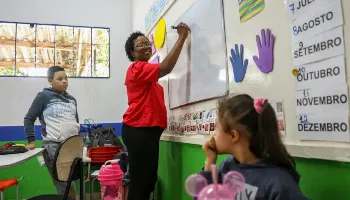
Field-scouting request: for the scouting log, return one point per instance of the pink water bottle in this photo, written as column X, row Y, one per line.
column 110, row 177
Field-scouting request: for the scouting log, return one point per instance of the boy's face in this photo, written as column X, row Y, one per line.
column 59, row 82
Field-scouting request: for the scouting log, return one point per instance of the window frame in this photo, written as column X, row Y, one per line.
column 55, row 26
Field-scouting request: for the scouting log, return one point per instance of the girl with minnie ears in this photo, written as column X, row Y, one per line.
column 247, row 130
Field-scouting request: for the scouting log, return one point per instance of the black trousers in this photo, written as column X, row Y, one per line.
column 142, row 144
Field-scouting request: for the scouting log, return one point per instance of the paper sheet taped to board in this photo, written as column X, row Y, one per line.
column 319, row 47
column 297, row 8
column 178, row 90
column 323, row 73
column 318, row 21
column 206, row 75
column 322, row 100
column 324, row 127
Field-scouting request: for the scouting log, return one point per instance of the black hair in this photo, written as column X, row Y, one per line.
column 129, row 44
column 265, row 140
column 52, row 70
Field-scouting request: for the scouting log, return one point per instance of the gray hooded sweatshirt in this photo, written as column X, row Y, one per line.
column 52, row 109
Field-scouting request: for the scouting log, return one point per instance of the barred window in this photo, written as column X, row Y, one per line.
column 29, row 49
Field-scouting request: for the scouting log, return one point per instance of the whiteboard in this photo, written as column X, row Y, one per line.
column 201, row 71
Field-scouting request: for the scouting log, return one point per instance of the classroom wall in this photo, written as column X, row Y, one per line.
column 321, row 179
column 104, row 100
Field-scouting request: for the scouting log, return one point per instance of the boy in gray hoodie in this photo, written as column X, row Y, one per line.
column 54, row 107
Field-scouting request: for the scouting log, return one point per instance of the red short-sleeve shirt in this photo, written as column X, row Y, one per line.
column 145, row 96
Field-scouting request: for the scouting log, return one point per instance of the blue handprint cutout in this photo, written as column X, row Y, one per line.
column 239, row 67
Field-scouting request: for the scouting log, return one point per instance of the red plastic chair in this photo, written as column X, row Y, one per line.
column 4, row 184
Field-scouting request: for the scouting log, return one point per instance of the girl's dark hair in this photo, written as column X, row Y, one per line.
column 129, row 44
column 265, row 140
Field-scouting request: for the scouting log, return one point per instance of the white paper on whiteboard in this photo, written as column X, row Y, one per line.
column 318, row 21
column 319, row 47
column 323, row 99
column 179, row 76
column 206, row 51
column 324, row 127
column 326, row 72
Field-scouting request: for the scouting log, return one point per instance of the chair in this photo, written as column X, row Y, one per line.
column 4, row 184
column 67, row 167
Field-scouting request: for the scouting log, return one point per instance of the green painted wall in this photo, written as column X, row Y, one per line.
column 321, row 180
column 33, row 179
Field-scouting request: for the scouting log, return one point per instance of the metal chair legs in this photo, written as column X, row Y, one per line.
column 17, row 192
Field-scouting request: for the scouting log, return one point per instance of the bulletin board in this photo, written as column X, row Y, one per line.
column 309, row 75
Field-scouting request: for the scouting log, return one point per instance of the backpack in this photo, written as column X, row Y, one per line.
column 104, row 136
column 123, row 160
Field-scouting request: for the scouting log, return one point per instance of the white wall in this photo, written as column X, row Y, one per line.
column 275, row 17
column 139, row 10
column 101, row 99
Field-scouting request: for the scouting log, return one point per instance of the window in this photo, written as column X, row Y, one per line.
column 29, row 49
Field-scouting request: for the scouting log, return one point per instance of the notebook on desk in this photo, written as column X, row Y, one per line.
column 12, row 150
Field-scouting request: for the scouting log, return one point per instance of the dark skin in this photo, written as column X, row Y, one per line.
column 60, row 84
column 143, row 50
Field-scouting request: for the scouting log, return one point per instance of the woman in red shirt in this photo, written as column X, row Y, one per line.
column 146, row 116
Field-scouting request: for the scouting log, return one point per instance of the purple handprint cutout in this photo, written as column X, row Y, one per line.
column 265, row 60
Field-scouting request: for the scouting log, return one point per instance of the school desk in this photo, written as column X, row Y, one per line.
column 10, row 160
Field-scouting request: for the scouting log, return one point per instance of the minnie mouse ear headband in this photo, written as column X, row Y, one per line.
column 259, row 104
column 197, row 186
